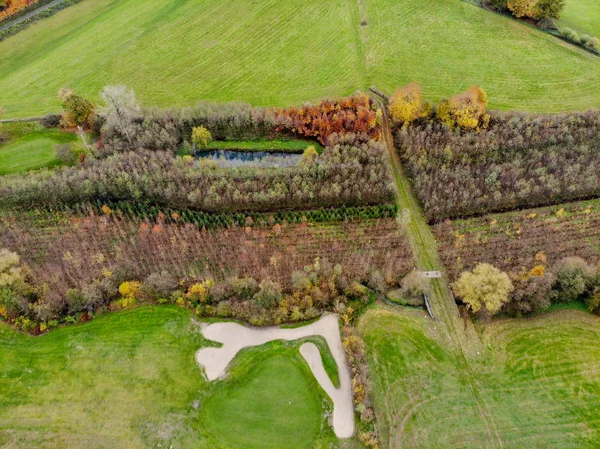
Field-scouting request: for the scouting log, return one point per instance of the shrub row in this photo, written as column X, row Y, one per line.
column 167, row 129
column 212, row 221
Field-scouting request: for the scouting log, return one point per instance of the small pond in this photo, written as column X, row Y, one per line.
column 261, row 159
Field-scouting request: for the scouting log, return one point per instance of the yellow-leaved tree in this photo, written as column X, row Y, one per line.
column 201, row 137
column 467, row 110
column 406, row 105
column 486, row 287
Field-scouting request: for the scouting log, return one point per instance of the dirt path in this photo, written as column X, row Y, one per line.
column 234, row 337
column 465, row 341
column 29, row 15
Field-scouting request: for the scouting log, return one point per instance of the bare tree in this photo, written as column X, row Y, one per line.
column 120, row 108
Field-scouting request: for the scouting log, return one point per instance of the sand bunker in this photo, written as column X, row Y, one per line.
column 235, row 337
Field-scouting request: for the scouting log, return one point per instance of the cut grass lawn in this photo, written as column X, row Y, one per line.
column 536, row 385
column 129, row 379
column 31, row 148
column 287, row 52
column 583, row 16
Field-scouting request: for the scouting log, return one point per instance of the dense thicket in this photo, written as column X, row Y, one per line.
column 344, row 174
column 166, row 129
column 519, row 160
column 73, row 264
column 534, row 247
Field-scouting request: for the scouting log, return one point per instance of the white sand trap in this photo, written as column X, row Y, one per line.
column 235, row 337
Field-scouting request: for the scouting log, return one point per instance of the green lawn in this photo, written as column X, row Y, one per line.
column 291, row 146
column 535, row 385
column 129, row 379
column 29, row 149
column 583, row 16
column 279, row 52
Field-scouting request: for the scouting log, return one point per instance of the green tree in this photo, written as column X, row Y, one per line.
column 548, row 9
column 574, row 277
column 201, row 137
column 486, row 287
column 77, row 110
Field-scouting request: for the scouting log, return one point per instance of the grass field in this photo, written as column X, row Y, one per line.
column 285, row 52
column 535, row 385
column 30, row 148
column 129, row 379
column 583, row 16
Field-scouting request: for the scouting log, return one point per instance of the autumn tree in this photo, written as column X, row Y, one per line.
column 201, row 137
column 521, row 8
column 468, row 110
column 77, row 110
column 10, row 271
column 120, row 109
column 406, row 105
column 309, row 155
column 484, row 288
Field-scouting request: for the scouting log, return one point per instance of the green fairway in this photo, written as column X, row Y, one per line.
column 129, row 379
column 277, row 391
column 535, row 385
column 32, row 150
column 286, row 52
column 583, row 16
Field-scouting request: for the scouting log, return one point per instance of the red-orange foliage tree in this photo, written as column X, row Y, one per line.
column 14, row 6
column 353, row 115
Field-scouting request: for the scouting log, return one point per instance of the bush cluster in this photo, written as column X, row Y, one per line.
column 588, row 42
column 518, row 160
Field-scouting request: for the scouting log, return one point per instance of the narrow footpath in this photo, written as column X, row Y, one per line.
column 462, row 336
column 29, row 15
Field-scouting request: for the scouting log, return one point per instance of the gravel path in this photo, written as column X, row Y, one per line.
column 235, row 337
column 30, row 14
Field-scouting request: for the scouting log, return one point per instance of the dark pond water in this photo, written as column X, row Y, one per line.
column 233, row 159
